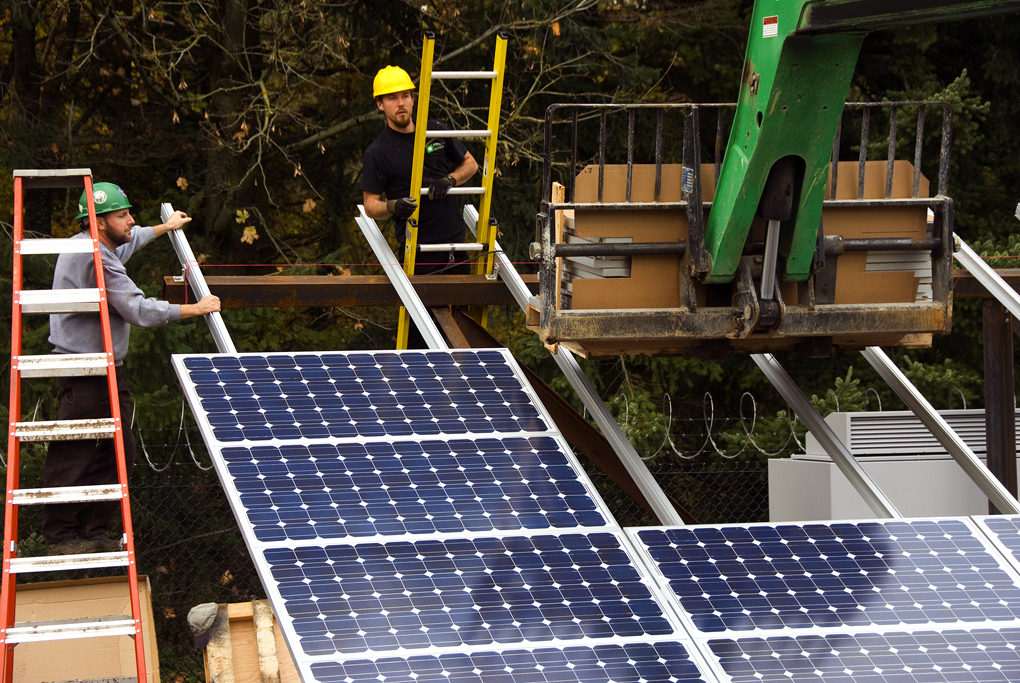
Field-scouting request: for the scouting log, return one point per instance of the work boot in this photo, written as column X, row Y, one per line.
column 71, row 546
column 105, row 544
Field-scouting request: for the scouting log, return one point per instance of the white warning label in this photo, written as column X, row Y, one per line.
column 770, row 27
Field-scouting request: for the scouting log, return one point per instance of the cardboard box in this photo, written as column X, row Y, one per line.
column 83, row 659
column 654, row 280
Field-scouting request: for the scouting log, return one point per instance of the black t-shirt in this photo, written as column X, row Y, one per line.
column 386, row 169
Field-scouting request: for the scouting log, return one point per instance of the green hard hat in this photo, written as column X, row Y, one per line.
column 107, row 196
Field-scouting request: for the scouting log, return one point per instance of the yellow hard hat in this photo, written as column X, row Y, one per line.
column 391, row 79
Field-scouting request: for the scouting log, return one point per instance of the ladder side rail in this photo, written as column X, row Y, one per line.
column 195, row 278
column 987, row 276
column 417, row 171
column 405, row 290
column 820, row 429
column 486, row 232
column 118, row 437
column 657, row 499
column 999, row 496
column 7, row 597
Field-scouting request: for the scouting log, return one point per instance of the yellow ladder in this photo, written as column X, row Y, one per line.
column 486, row 233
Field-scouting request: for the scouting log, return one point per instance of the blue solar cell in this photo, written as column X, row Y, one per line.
column 371, row 395
column 897, row 657
column 332, row 491
column 922, row 572
column 454, row 592
column 1006, row 531
column 645, row 662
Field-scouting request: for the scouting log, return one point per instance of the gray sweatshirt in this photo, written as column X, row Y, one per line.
column 82, row 332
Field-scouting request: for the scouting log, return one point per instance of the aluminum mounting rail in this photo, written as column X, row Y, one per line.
column 836, row 449
column 940, row 429
column 653, row 493
column 419, row 314
column 193, row 273
column 987, row 276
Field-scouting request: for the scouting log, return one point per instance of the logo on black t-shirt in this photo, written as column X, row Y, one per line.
column 436, row 146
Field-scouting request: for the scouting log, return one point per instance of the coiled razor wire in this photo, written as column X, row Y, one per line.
column 180, row 431
column 708, row 416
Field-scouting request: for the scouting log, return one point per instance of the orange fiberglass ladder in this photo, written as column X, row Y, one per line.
column 45, row 302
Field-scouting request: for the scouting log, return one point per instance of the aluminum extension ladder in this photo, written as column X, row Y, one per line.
column 65, row 365
column 487, row 232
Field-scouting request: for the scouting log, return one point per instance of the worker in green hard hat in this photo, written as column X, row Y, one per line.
column 386, row 170
column 81, row 528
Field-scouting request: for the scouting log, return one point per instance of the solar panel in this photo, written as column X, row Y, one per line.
column 345, row 395
column 897, row 657
column 833, row 575
column 332, row 490
column 654, row 662
column 414, row 513
column 461, row 591
column 1004, row 532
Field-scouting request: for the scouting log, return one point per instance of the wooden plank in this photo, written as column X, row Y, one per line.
column 265, row 642
column 219, row 660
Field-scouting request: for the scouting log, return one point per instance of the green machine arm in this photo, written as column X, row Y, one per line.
column 800, row 58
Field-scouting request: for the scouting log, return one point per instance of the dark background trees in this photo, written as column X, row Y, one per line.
column 251, row 115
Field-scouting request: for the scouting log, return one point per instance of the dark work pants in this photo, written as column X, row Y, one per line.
column 85, row 463
column 435, row 263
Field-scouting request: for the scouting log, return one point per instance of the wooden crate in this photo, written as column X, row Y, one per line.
column 246, row 647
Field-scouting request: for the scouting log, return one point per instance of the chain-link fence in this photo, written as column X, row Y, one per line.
column 189, row 545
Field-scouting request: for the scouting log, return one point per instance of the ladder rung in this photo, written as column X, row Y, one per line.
column 454, row 246
column 63, row 365
column 66, row 494
column 65, row 430
column 458, row 133
column 59, row 300
column 57, row 245
column 467, row 189
column 29, row 632
column 52, row 177
column 436, row 75
column 54, row 563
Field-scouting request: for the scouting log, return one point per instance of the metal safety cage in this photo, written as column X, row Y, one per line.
column 734, row 314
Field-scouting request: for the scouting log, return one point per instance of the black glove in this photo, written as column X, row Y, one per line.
column 439, row 188
column 401, row 208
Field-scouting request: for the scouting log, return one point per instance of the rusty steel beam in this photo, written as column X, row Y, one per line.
column 578, row 431
column 285, row 291
column 1000, row 411
column 966, row 286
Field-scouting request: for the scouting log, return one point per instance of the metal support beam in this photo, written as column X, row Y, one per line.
column 987, row 276
column 836, row 449
column 419, row 314
column 1000, row 416
column 286, row 291
column 193, row 273
column 997, row 494
column 568, row 365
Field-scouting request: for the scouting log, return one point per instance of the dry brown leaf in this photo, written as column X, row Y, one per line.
column 182, row 183
column 556, row 28
column 54, row 149
column 177, row 119
column 169, row 613
column 309, row 205
column 359, row 326
column 249, row 235
column 227, row 577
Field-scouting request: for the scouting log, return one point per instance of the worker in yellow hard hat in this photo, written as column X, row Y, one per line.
column 386, row 172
